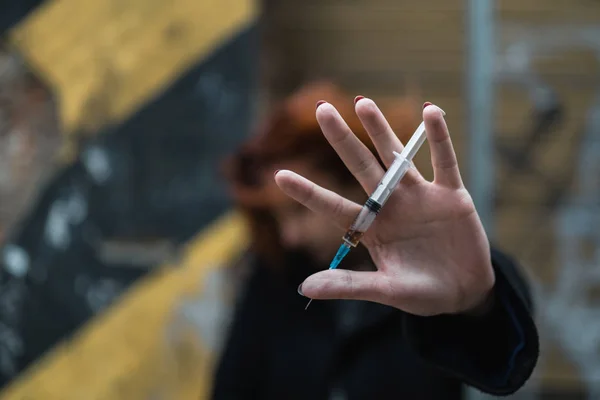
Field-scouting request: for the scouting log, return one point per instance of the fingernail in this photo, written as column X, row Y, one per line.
column 300, row 291
column 276, row 171
column 320, row 102
column 357, row 98
column 427, row 104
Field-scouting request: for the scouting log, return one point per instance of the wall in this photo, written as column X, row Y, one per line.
column 154, row 94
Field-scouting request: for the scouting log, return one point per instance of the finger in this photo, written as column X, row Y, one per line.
column 318, row 199
column 356, row 156
column 345, row 284
column 379, row 130
column 443, row 157
column 382, row 135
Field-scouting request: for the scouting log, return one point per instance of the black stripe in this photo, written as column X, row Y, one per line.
column 373, row 206
column 13, row 11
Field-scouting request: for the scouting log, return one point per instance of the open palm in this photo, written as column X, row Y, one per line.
column 430, row 249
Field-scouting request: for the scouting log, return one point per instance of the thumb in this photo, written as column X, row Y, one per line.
column 345, row 284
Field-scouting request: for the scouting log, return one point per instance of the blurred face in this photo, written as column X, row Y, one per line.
column 299, row 227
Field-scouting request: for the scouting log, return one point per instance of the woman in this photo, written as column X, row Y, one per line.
column 423, row 307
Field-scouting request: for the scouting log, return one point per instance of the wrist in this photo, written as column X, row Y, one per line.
column 484, row 306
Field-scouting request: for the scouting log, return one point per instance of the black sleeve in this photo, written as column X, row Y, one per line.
column 495, row 353
column 241, row 363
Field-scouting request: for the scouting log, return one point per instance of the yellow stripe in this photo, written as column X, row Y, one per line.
column 121, row 355
column 106, row 58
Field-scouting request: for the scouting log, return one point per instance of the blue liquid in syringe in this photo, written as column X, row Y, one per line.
column 351, row 237
column 339, row 256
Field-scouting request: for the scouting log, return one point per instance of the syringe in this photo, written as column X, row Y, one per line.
column 379, row 197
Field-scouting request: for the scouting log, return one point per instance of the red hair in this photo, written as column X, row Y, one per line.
column 291, row 131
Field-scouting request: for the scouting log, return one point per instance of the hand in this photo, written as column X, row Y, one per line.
column 428, row 244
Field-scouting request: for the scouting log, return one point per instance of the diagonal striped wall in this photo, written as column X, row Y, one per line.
column 122, row 355
column 130, row 65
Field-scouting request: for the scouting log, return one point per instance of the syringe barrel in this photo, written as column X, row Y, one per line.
column 373, row 205
column 362, row 222
column 390, row 180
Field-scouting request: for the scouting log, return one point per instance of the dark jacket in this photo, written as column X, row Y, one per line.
column 360, row 350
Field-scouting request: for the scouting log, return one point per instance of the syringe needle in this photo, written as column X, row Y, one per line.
column 306, row 308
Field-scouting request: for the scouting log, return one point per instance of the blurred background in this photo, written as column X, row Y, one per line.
column 115, row 116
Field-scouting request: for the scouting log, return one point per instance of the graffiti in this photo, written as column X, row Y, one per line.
column 96, row 162
column 128, row 199
column 571, row 310
column 568, row 311
column 518, row 156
